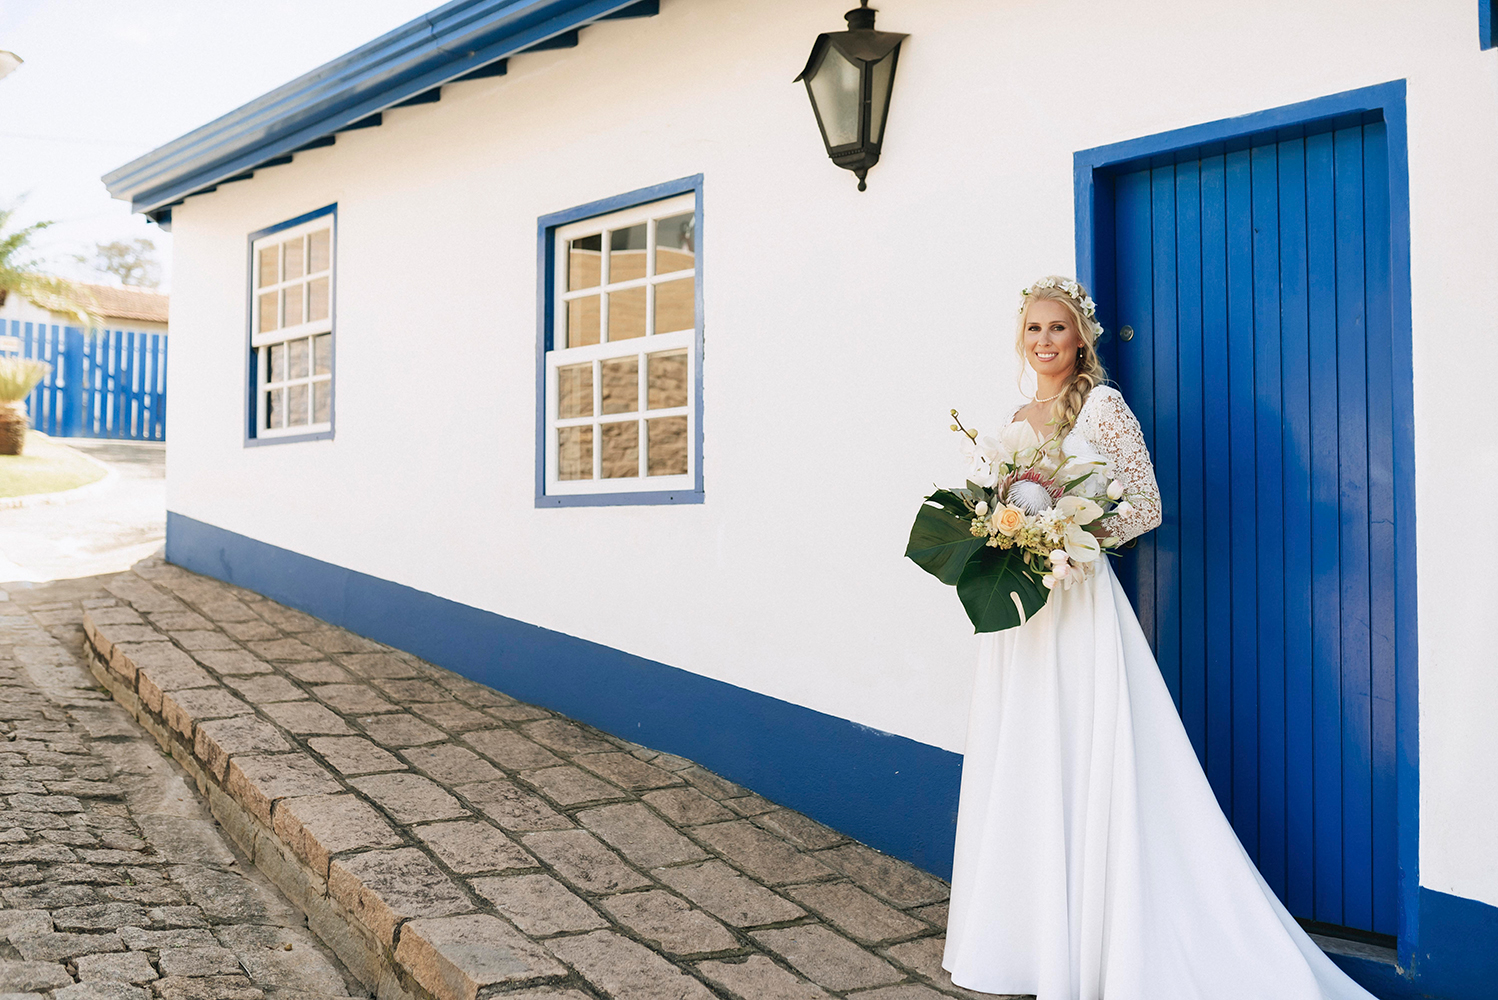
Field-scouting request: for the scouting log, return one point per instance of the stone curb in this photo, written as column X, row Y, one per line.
column 392, row 868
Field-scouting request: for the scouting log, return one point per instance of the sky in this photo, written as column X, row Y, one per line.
column 105, row 81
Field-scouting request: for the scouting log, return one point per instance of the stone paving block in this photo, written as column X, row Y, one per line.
column 318, row 672
column 640, row 835
column 539, row 904
column 355, row 755
column 141, row 595
column 923, row 956
column 316, row 827
column 353, row 699
column 935, row 914
column 210, row 988
column 381, row 888
column 827, row 958
column 711, row 784
column 212, row 960
column 626, row 771
column 139, row 939
column 547, row 994
column 286, row 619
column 284, row 958
column 686, row 806
column 195, row 640
column 179, row 621
column 232, row 662
column 101, row 990
column 855, row 912
column 516, row 711
column 472, row 847
column 260, row 689
column 182, row 709
column 761, row 854
column 337, row 640
column 127, row 967
column 410, row 798
column 24, row 922
column 97, row 917
column 566, row 737
column 759, row 978
column 889, row 878
column 257, row 781
column 372, row 665
column 572, row 786
column 46, row 804
column 304, row 717
column 915, row 991
column 625, row 970
column 452, row 716
column 134, row 633
column 23, row 976
column 159, row 667
column 750, row 805
column 454, row 957
column 282, row 650
column 452, row 765
column 116, row 615
column 510, row 750
column 250, row 630
column 583, row 860
column 727, row 894
column 400, row 730
column 669, row 923
column 54, row 946
column 804, row 832
column 411, row 689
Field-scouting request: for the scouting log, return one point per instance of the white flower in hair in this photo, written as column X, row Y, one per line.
column 1088, row 305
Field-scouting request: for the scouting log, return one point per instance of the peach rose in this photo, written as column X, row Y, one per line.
column 1008, row 519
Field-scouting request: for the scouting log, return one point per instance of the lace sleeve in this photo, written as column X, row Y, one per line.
column 1114, row 431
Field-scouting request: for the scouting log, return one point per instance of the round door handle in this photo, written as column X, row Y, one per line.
column 1126, row 334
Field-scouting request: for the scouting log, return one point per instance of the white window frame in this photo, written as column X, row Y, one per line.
column 260, row 343
column 561, row 355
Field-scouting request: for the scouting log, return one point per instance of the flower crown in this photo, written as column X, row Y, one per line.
column 1073, row 291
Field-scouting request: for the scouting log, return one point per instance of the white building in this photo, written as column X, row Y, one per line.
column 586, row 374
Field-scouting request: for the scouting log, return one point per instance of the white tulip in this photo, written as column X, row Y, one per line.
column 1048, row 581
column 1060, row 570
column 1115, row 490
column 1057, row 557
column 1111, row 542
column 1123, row 508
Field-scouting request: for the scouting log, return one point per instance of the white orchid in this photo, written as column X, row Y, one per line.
column 1019, row 441
column 981, row 473
column 1123, row 508
column 1057, row 557
column 1080, row 510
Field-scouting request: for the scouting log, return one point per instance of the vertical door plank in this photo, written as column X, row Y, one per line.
column 1352, row 448
column 1326, row 636
column 1135, row 363
column 1381, row 611
column 1217, row 557
column 1241, row 500
column 1295, row 498
column 1190, row 513
column 1270, row 623
column 1163, row 439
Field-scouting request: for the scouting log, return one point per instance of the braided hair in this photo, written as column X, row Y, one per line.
column 1088, row 372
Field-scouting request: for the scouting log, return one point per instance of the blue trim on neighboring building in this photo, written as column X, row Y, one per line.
column 1485, row 24
column 546, row 227
column 890, row 792
column 252, row 392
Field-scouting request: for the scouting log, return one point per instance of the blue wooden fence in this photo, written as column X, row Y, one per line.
column 103, row 383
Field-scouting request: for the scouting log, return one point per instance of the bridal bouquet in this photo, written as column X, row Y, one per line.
column 1018, row 530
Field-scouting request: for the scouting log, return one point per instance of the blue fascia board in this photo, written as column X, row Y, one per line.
column 434, row 49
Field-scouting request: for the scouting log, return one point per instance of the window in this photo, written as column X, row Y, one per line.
column 620, row 369
column 291, row 329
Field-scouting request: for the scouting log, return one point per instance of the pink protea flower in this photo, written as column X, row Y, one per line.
column 1030, row 491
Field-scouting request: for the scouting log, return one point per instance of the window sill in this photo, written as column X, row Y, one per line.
column 253, row 442
column 639, row 498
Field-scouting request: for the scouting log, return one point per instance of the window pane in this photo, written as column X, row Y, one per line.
column 277, row 363
column 627, row 254
column 879, row 72
column 293, row 258
column 835, row 83
column 676, row 243
column 322, row 401
column 667, row 455
column 299, row 351
column 574, row 453
column 627, row 314
column 583, row 261
column 575, row 391
column 268, row 312
column 321, row 256
column 582, row 321
column 317, row 299
column 621, row 450
column 621, row 385
column 667, row 381
column 292, row 315
column 268, row 274
column 676, row 305
column 322, row 354
column 296, row 406
column 275, row 408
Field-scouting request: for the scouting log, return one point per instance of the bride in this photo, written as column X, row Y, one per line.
column 1092, row 860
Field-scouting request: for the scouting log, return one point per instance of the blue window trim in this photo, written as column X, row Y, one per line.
column 546, row 228
column 252, row 395
column 1485, row 24
column 1385, row 102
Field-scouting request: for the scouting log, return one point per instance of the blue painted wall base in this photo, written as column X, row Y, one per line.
column 892, row 793
column 1456, row 957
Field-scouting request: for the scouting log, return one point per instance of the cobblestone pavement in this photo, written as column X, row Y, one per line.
column 449, row 841
column 114, row 882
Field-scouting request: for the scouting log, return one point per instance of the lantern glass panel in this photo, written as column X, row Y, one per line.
column 879, row 95
column 836, row 88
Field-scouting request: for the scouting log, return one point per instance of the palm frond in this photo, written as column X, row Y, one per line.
column 18, row 376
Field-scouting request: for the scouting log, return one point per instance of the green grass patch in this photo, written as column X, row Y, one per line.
column 46, row 466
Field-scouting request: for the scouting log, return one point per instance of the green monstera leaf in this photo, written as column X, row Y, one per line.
column 941, row 540
column 989, row 585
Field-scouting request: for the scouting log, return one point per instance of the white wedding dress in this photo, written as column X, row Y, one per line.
column 1092, row 860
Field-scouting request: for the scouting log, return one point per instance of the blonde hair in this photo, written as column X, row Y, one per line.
column 1088, row 372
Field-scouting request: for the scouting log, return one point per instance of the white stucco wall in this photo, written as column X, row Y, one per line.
column 839, row 329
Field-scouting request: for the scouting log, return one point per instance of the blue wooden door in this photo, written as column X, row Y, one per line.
column 1257, row 281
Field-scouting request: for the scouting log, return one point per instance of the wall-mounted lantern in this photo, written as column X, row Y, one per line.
column 849, row 78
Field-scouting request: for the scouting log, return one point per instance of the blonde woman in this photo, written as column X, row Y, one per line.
column 1092, row 861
